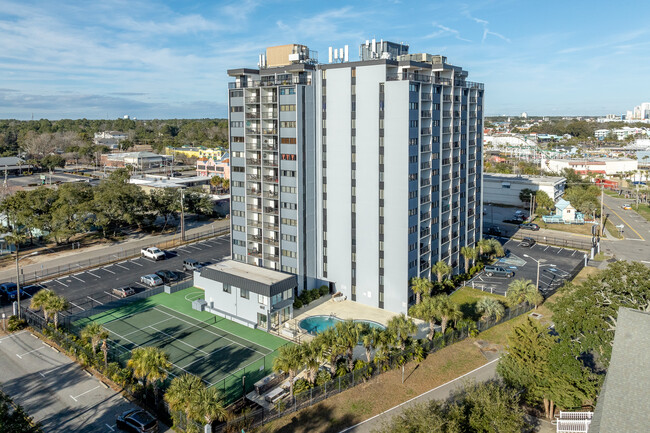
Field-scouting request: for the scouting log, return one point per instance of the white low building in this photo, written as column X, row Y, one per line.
column 505, row 188
column 250, row 295
column 607, row 166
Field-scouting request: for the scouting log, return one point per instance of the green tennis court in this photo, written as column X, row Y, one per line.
column 219, row 351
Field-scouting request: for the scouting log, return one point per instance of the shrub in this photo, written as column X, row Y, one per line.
column 297, row 304
column 324, row 290
column 301, row 385
column 15, row 324
column 323, row 377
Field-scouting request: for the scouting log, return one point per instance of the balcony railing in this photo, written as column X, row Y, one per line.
column 270, row 162
column 253, row 177
column 252, row 115
column 254, row 208
column 255, row 253
column 252, row 100
column 270, row 194
column 254, row 223
column 425, row 148
column 269, row 114
column 274, row 81
column 269, row 131
column 272, row 179
column 271, row 241
column 253, row 146
column 272, row 147
column 255, row 238
column 426, row 131
column 252, row 161
column 426, row 113
column 270, row 210
column 253, row 192
column 271, row 226
column 426, row 97
column 446, row 130
column 269, row 99
column 272, row 257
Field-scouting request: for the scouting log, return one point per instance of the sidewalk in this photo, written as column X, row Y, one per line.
column 65, row 259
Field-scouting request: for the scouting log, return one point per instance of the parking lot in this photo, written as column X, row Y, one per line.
column 55, row 390
column 94, row 287
column 556, row 265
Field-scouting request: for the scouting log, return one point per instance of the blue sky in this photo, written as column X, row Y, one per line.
column 164, row 59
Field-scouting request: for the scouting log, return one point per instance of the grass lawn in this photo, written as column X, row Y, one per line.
column 581, row 229
column 611, row 228
column 467, row 298
column 643, row 210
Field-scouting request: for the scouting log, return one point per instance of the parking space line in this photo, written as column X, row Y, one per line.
column 108, row 270
column 195, row 247
column 183, row 250
column 83, row 393
column 77, row 278
column 81, row 308
column 95, row 300
column 26, row 353
column 51, row 370
column 63, row 284
column 559, row 251
column 110, row 427
column 140, row 284
column 136, row 263
column 112, row 295
column 94, row 275
column 123, row 267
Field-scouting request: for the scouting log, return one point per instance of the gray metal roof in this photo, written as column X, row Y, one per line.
column 255, row 279
column 624, row 402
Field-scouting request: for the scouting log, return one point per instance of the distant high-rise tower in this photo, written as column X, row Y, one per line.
column 361, row 174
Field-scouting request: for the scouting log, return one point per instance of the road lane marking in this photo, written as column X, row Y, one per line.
column 625, row 222
column 83, row 393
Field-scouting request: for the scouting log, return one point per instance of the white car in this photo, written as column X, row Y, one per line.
column 153, row 253
column 151, row 280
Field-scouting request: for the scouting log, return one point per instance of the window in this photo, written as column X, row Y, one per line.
column 288, row 157
column 287, row 253
column 289, row 269
column 289, row 222
column 290, row 238
column 237, row 139
column 289, row 189
column 236, row 93
column 238, row 228
column 287, row 205
column 413, row 106
column 286, row 140
column 262, row 320
column 262, row 299
column 236, row 124
column 236, row 109
column 288, row 124
column 505, row 185
column 239, row 198
column 287, row 91
column 239, row 243
column 244, row 293
column 288, row 107
column 288, row 173
column 238, row 213
column 413, row 124
column 236, row 154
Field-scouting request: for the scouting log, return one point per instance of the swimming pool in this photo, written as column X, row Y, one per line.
column 317, row 324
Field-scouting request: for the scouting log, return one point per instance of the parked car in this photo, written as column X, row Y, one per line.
column 529, row 226
column 153, row 253
column 5, row 289
column 169, row 276
column 123, row 292
column 191, row 265
column 137, row 421
column 494, row 231
column 491, row 270
column 626, row 207
column 520, row 214
column 527, row 242
column 151, row 280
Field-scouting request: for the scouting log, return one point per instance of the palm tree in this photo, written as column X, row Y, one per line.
column 470, row 254
column 94, row 332
column 484, row 246
column 420, row 286
column 496, row 249
column 400, row 328
column 349, row 334
column 289, row 360
column 150, row 364
column 311, row 356
column 446, row 310
column 41, row 300
column 56, row 305
column 426, row 312
column 330, row 347
column 209, row 404
column 181, row 396
column 105, row 352
column 520, row 291
column 372, row 338
column 226, row 184
column 216, row 181
column 441, row 270
column 490, row 307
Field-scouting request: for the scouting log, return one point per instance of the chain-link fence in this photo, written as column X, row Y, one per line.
column 379, row 365
column 118, row 256
column 551, row 240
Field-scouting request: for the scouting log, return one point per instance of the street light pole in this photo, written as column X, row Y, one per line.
column 17, row 280
column 182, row 217
column 538, row 265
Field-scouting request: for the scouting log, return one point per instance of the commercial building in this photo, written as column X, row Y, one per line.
column 505, row 188
column 139, row 160
column 149, row 181
column 360, row 175
column 211, row 167
column 596, row 165
column 215, row 153
column 109, row 138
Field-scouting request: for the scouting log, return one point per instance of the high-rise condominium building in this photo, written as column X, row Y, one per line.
column 360, row 175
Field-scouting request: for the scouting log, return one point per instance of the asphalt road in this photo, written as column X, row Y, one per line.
column 55, row 390
column 636, row 232
column 92, row 287
column 555, row 267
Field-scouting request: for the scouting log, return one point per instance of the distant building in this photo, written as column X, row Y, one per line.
column 148, row 181
column 210, row 167
column 110, row 139
column 139, row 160
column 13, row 165
column 524, row 115
column 620, row 133
column 215, row 153
column 607, row 166
column 505, row 188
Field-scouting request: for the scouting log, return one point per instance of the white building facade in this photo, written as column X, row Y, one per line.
column 505, row 188
column 387, row 155
column 606, row 166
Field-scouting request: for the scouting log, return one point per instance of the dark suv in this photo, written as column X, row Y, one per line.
column 191, row 265
column 137, row 421
column 491, row 270
column 527, row 242
column 529, row 226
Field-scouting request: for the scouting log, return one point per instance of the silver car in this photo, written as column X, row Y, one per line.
column 151, row 280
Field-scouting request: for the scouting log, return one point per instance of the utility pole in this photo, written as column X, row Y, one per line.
column 602, row 204
column 182, row 217
column 17, row 280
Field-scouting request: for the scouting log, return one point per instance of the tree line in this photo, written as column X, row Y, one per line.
column 75, row 208
column 75, row 137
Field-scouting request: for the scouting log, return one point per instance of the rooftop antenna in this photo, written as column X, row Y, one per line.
column 330, row 54
column 346, row 54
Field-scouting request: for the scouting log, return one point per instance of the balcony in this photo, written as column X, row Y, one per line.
column 254, row 223
column 425, row 182
column 269, row 99
column 446, row 130
column 253, row 146
column 425, row 148
column 424, row 265
column 254, row 208
column 270, row 146
column 271, row 81
column 253, row 115
column 270, row 210
column 271, row 241
column 446, row 98
column 270, row 162
column 272, row 257
column 446, row 114
column 269, row 131
column 252, row 131
column 426, row 131
column 424, row 250
column 271, row 179
column 425, row 216
column 252, row 100
column 271, row 226
column 425, row 232
column 255, row 238
column 252, row 177
column 255, row 253
column 269, row 114
column 253, row 192
column 253, row 161
column 426, row 113
column 426, row 97
column 270, row 194
column 425, row 165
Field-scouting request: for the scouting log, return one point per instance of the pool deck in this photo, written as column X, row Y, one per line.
column 349, row 310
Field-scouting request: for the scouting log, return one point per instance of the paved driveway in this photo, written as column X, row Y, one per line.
column 55, row 390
